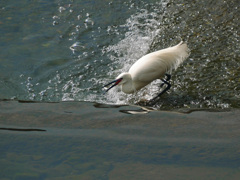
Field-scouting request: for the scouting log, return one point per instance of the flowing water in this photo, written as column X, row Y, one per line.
column 67, row 50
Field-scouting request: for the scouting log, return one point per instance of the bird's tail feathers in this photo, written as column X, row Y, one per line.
column 183, row 52
column 177, row 54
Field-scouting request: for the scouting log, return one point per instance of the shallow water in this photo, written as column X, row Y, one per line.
column 80, row 140
column 67, row 50
column 59, row 50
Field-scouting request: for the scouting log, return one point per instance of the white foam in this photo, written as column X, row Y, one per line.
column 142, row 29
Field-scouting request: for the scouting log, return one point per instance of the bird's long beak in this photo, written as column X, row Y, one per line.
column 116, row 82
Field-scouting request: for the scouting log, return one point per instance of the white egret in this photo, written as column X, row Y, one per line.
column 150, row 67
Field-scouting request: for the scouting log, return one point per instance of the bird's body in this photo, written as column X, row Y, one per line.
column 151, row 67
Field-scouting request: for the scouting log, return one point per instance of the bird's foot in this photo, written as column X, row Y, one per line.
column 154, row 100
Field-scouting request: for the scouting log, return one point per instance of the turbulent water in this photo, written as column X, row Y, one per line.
column 67, row 50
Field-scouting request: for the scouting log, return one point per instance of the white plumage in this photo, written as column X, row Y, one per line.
column 151, row 67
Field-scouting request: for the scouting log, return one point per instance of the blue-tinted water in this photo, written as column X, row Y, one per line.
column 66, row 50
column 72, row 140
column 55, row 50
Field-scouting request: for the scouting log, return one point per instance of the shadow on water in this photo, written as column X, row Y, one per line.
column 21, row 129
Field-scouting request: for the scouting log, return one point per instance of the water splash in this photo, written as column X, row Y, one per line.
column 209, row 79
column 95, row 48
column 142, row 28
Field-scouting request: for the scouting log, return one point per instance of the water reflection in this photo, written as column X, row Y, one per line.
column 99, row 105
column 139, row 111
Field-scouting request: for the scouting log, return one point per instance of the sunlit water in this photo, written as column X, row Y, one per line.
column 67, row 50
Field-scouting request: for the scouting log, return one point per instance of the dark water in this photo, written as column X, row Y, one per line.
column 66, row 50
column 79, row 140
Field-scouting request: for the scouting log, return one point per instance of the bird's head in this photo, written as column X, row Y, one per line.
column 121, row 79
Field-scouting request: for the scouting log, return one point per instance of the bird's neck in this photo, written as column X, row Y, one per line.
column 128, row 87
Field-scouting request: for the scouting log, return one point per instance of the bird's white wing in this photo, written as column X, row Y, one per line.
column 148, row 68
column 154, row 65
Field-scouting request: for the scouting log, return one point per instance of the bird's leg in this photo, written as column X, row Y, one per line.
column 167, row 88
column 168, row 79
column 163, row 91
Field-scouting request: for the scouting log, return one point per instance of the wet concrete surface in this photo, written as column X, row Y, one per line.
column 72, row 140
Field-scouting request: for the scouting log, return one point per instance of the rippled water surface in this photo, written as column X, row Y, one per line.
column 67, row 50
column 83, row 140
